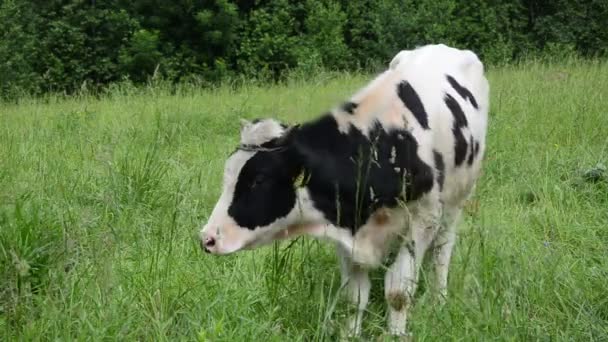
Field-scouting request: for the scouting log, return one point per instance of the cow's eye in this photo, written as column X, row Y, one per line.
column 259, row 179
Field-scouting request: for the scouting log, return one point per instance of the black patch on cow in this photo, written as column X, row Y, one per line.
column 264, row 190
column 460, row 147
column 411, row 100
column 460, row 121
column 440, row 166
column 462, row 91
column 342, row 170
column 476, row 148
column 349, row 107
column 471, row 151
column 344, row 167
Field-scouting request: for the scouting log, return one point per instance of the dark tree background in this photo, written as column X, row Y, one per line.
column 54, row 45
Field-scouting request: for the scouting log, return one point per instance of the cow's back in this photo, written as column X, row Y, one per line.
column 418, row 128
column 454, row 91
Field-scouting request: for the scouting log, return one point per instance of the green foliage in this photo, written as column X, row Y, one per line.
column 578, row 24
column 496, row 29
column 17, row 49
column 324, row 36
column 140, row 58
column 269, row 41
column 194, row 37
column 101, row 199
column 67, row 46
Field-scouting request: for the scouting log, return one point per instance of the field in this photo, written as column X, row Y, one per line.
column 101, row 199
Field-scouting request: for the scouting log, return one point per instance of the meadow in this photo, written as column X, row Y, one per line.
column 101, row 199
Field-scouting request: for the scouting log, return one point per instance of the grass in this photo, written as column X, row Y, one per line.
column 101, row 199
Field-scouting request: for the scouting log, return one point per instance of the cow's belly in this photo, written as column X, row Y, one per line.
column 459, row 184
column 372, row 242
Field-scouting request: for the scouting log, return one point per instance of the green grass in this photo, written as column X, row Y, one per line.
column 101, row 200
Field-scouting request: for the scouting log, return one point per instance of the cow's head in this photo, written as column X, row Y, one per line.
column 259, row 193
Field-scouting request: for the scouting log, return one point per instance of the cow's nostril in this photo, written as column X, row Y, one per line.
column 209, row 242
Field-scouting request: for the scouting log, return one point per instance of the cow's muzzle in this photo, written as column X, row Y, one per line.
column 207, row 244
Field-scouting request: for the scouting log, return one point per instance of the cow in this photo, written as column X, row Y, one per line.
column 389, row 169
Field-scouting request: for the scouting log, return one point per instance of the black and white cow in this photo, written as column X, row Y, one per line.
column 393, row 165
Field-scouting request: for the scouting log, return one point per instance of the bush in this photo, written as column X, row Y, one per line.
column 324, row 34
column 64, row 45
column 268, row 44
column 141, row 56
column 17, row 49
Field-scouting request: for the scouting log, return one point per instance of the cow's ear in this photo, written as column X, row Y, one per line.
column 244, row 123
column 285, row 139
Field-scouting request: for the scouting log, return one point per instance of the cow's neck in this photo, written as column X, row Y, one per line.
column 323, row 156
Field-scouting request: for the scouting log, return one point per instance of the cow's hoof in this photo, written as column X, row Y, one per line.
column 407, row 337
column 441, row 300
column 349, row 336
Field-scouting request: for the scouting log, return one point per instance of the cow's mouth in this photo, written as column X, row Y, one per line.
column 219, row 247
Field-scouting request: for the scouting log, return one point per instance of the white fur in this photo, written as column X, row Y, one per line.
column 430, row 222
column 260, row 132
column 231, row 238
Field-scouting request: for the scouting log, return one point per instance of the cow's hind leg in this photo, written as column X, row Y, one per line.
column 401, row 278
column 356, row 284
column 443, row 246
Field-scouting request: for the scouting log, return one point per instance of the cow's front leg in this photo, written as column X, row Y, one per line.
column 356, row 285
column 399, row 288
column 401, row 278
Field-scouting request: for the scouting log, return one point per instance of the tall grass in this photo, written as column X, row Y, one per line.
column 101, row 198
